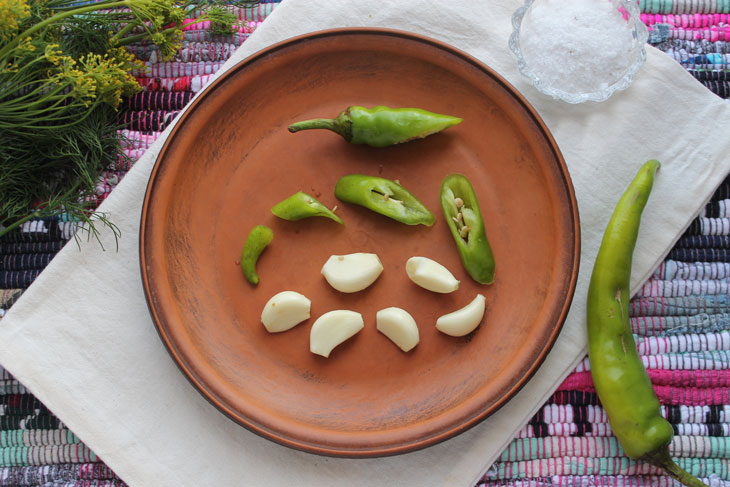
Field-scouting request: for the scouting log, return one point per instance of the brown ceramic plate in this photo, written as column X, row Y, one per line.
column 230, row 159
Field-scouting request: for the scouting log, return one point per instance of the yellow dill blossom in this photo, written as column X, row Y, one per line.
column 125, row 58
column 119, row 64
column 177, row 15
column 25, row 48
column 158, row 38
column 158, row 12
column 12, row 13
column 26, row 45
column 54, row 55
column 108, row 74
column 92, row 77
column 168, row 44
column 65, row 73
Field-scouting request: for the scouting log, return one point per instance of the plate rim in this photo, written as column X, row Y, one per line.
column 412, row 445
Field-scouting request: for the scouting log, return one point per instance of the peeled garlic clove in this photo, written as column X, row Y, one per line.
column 398, row 325
column 431, row 275
column 353, row 272
column 463, row 321
column 284, row 311
column 333, row 328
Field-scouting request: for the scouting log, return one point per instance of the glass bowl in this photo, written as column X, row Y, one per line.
column 555, row 71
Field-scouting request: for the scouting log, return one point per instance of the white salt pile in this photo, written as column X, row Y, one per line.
column 577, row 46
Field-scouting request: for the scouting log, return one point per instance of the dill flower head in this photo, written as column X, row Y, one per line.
column 109, row 74
column 159, row 13
column 12, row 13
column 65, row 72
column 53, row 54
column 177, row 14
column 164, row 20
column 169, row 44
column 25, row 50
column 93, row 77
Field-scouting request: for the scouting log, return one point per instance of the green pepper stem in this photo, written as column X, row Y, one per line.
column 662, row 459
column 341, row 125
column 316, row 123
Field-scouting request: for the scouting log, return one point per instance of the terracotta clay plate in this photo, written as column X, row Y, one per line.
column 230, row 159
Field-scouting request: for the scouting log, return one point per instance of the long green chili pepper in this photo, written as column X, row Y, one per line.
column 383, row 196
column 257, row 240
column 621, row 381
column 380, row 126
column 301, row 205
column 464, row 218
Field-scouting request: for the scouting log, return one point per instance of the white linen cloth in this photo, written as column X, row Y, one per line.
column 82, row 341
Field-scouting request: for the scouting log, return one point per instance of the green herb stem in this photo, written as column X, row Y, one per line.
column 74, row 120
column 140, row 37
column 123, row 32
column 22, row 104
column 17, row 224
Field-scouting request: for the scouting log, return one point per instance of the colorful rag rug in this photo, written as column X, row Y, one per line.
column 681, row 315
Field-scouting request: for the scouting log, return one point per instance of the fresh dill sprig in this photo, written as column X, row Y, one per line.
column 64, row 71
column 222, row 21
column 56, row 173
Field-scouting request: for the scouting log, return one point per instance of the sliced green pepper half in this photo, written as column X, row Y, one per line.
column 383, row 196
column 464, row 218
column 301, row 205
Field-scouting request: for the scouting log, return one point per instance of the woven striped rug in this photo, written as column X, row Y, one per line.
column 681, row 315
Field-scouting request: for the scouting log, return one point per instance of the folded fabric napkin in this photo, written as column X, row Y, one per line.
column 82, row 341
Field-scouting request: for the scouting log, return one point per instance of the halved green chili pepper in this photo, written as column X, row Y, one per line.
column 464, row 219
column 257, row 240
column 621, row 381
column 383, row 196
column 301, row 205
column 380, row 126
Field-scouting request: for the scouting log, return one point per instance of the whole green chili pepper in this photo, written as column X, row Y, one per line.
column 383, row 196
column 257, row 240
column 380, row 126
column 621, row 381
column 464, row 218
column 301, row 205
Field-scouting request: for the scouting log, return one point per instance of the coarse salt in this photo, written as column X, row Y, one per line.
column 577, row 46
